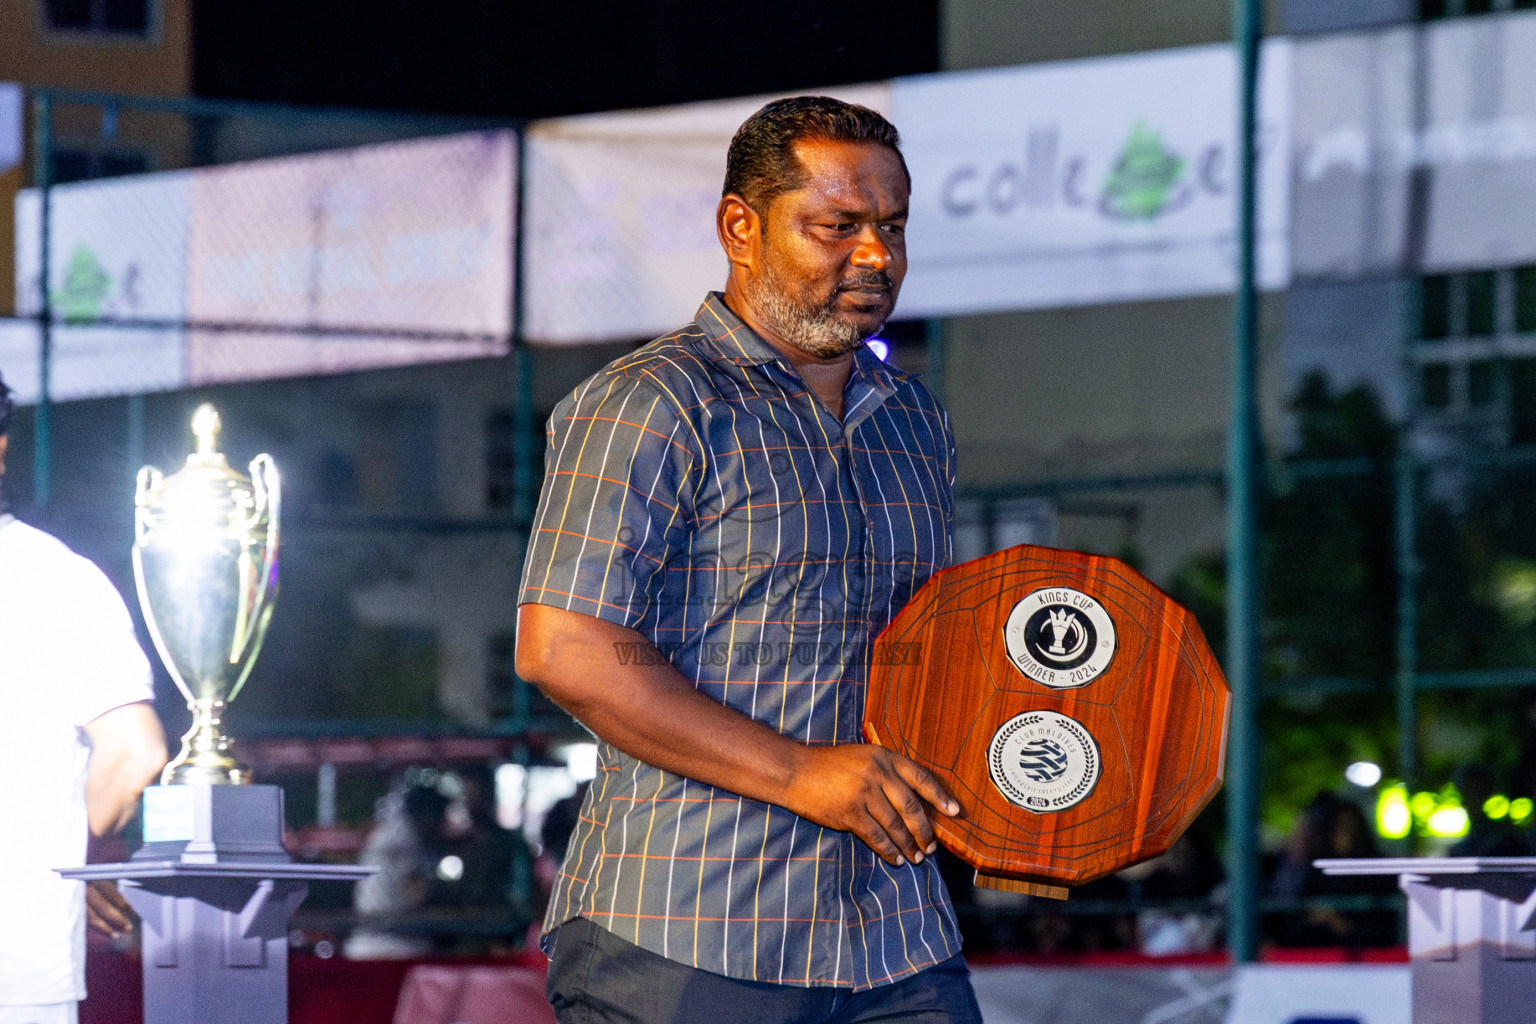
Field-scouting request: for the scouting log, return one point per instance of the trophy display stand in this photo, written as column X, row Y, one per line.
column 1471, row 934
column 215, row 889
column 1072, row 708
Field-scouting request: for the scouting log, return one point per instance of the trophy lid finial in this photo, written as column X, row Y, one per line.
column 206, row 426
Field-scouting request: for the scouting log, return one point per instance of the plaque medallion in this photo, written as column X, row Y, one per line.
column 1060, row 637
column 1044, row 761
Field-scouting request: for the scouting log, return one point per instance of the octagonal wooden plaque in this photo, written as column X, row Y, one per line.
column 1073, row 708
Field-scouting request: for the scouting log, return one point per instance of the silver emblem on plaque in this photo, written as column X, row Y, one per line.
column 1044, row 761
column 1060, row 637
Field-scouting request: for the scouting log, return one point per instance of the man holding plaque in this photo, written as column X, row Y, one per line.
column 730, row 515
column 78, row 742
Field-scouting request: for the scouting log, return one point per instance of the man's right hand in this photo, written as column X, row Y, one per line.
column 875, row 793
column 106, row 911
column 645, row 707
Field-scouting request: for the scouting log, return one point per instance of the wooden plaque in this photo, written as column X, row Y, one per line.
column 1074, row 710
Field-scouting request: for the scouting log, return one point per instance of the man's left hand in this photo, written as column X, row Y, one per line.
column 106, row 910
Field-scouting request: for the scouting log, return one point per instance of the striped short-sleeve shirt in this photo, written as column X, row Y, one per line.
column 697, row 492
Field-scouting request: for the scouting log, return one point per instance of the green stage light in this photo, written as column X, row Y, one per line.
column 1449, row 822
column 1394, row 820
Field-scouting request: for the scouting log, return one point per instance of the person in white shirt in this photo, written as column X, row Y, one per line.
column 79, row 740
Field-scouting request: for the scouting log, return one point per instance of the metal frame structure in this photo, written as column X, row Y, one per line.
column 1243, row 666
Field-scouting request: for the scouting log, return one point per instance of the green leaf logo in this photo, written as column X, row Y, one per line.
column 1147, row 180
column 85, row 288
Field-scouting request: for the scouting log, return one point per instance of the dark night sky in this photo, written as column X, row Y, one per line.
column 505, row 59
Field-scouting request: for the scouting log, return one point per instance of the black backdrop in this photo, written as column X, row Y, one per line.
column 505, row 59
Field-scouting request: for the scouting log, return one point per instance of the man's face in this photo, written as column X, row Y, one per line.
column 833, row 253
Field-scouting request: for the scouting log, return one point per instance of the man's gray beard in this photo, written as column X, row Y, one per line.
column 816, row 330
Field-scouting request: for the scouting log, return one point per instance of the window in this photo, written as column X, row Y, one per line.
column 1430, row 10
column 338, row 480
column 104, row 17
column 1481, row 319
column 501, row 679
column 1525, row 297
column 501, row 457
column 1436, row 386
column 1522, row 401
column 394, row 672
column 1435, row 307
column 67, row 165
column 1482, row 383
column 500, row 461
column 510, row 697
column 395, row 460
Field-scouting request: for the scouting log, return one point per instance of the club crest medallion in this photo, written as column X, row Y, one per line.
column 1044, row 761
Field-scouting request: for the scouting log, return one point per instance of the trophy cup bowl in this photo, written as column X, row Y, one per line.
column 205, row 562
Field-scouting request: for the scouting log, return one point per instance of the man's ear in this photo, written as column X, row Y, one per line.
column 5, row 442
column 740, row 230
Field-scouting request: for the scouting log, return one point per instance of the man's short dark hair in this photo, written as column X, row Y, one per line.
column 7, row 407
column 761, row 166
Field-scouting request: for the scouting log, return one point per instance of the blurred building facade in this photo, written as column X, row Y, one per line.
column 141, row 47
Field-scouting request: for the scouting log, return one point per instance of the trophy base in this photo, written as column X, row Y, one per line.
column 1019, row 885
column 213, row 824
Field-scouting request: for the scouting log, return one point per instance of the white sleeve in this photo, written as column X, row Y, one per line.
column 97, row 653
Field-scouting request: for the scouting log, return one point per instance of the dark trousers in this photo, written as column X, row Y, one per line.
column 595, row 977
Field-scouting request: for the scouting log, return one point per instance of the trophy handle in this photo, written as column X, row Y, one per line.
column 252, row 619
column 148, row 480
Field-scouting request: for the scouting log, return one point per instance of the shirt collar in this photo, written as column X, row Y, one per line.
column 733, row 341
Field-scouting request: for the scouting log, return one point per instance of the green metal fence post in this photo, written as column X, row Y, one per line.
column 1405, row 523
column 1243, row 571
column 522, row 411
column 1405, row 516
column 522, row 478
column 42, row 180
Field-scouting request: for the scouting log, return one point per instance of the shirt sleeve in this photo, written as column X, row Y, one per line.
column 100, row 663
column 616, row 504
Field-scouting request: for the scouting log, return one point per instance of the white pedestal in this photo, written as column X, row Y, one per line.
column 1470, row 934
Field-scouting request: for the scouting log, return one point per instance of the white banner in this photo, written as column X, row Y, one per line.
column 1102, row 995
column 621, row 216
column 314, row 264
column 118, row 250
column 400, row 237
column 1415, row 149
column 1086, row 181
column 1059, row 184
column 1154, row 994
column 1335, row 994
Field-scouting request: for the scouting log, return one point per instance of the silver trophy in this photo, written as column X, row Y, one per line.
column 205, row 560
